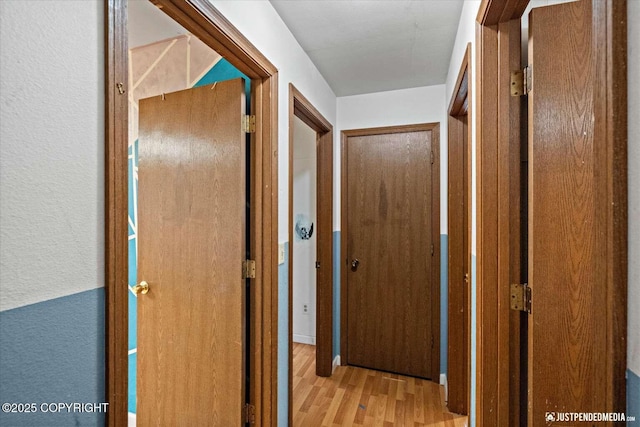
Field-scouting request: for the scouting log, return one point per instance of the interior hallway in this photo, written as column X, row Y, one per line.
column 358, row 396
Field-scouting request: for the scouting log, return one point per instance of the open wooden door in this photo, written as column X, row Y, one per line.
column 192, row 200
column 576, row 326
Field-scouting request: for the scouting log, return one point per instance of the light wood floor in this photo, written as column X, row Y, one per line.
column 358, row 396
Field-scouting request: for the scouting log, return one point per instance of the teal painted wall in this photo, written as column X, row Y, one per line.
column 444, row 301
column 50, row 352
column 283, row 339
column 633, row 395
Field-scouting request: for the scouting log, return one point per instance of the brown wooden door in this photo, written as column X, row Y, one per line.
column 191, row 324
column 459, row 225
column 389, row 238
column 568, row 342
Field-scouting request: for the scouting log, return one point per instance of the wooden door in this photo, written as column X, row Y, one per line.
column 570, row 336
column 389, row 241
column 459, row 225
column 191, row 324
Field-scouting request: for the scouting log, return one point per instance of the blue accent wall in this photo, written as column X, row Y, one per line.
column 444, row 301
column 283, row 339
column 336, row 293
column 633, row 395
column 474, row 299
column 54, row 351
column 222, row 71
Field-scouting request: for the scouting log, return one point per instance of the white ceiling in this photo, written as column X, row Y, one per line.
column 364, row 46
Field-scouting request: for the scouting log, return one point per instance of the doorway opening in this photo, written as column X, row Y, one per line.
column 310, row 268
column 163, row 58
column 204, row 22
column 459, row 230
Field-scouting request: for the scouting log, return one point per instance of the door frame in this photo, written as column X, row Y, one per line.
column 205, row 22
column 499, row 121
column 435, row 225
column 458, row 289
column 300, row 107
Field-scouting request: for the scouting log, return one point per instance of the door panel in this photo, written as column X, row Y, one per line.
column 389, row 322
column 567, row 236
column 459, row 265
column 191, row 324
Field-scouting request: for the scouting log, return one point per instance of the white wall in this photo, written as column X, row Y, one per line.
column 633, row 91
column 260, row 23
column 51, row 150
column 398, row 107
column 304, row 251
column 466, row 34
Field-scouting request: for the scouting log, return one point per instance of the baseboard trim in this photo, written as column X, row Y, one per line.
column 443, row 381
column 335, row 364
column 304, row 339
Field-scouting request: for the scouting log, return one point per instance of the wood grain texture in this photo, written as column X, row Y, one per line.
column 299, row 106
column 203, row 21
column 192, row 200
column 509, row 226
column 493, row 12
column 217, row 32
column 116, row 210
column 612, row 26
column 435, row 257
column 487, row 222
column 459, row 239
column 357, row 396
column 572, row 213
column 390, row 321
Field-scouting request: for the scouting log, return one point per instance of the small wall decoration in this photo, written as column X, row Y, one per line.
column 303, row 227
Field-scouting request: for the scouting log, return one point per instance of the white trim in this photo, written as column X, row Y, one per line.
column 335, row 364
column 304, row 339
column 443, row 381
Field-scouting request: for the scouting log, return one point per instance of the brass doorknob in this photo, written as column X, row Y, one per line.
column 141, row 288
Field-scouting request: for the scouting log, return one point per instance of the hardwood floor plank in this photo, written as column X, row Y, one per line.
column 364, row 397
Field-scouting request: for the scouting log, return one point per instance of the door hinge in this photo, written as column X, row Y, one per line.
column 249, row 124
column 520, row 297
column 521, row 81
column 248, row 269
column 432, row 249
column 249, row 413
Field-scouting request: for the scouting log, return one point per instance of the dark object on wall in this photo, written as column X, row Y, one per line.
column 304, row 227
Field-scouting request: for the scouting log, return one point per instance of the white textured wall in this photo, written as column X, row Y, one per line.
column 51, row 149
column 397, row 107
column 261, row 24
column 304, row 251
column 466, row 34
column 633, row 91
